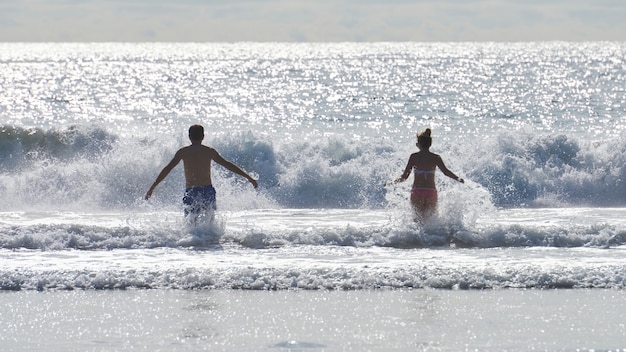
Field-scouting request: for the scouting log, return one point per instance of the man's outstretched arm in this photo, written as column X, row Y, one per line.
column 163, row 174
column 234, row 168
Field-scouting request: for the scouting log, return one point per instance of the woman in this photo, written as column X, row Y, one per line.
column 424, row 164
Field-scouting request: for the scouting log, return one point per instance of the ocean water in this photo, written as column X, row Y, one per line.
column 537, row 130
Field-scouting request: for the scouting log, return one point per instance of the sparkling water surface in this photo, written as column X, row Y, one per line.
column 536, row 129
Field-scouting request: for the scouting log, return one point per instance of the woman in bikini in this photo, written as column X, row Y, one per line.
column 424, row 164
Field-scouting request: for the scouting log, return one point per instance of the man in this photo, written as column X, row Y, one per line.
column 199, row 194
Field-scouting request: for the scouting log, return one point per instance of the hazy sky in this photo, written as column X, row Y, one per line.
column 312, row 20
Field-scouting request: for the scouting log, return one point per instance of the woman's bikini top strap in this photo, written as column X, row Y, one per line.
column 423, row 172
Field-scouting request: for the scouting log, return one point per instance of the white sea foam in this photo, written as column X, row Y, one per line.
column 311, row 249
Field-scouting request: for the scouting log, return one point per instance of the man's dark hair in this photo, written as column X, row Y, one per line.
column 196, row 132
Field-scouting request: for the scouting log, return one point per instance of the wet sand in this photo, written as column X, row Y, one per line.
column 367, row 320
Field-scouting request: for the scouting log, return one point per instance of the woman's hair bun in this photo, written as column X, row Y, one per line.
column 424, row 133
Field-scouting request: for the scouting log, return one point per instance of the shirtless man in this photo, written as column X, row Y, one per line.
column 199, row 193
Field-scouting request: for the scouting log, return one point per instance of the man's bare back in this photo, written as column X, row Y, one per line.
column 197, row 163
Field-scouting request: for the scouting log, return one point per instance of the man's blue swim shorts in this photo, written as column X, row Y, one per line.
column 199, row 199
